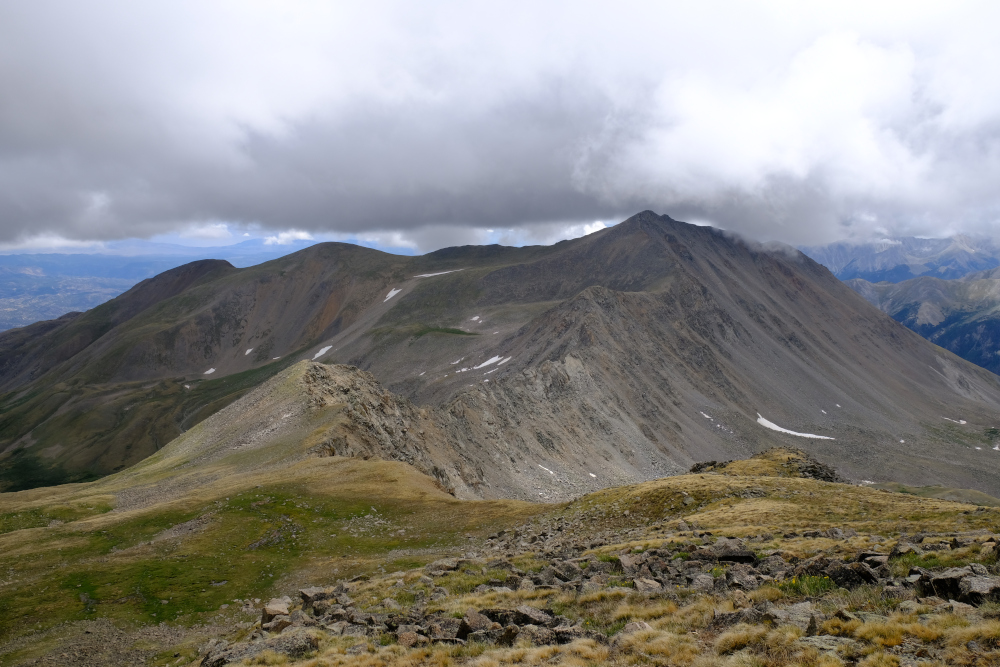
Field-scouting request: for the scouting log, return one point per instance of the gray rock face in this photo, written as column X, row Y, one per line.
column 852, row 575
column 977, row 589
column 296, row 644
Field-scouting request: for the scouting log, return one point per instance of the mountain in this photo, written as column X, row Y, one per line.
column 961, row 315
column 542, row 372
column 36, row 287
column 896, row 259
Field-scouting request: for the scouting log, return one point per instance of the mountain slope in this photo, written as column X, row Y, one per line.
column 897, row 259
column 962, row 315
column 621, row 356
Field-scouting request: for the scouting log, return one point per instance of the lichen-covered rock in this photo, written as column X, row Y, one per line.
column 295, row 644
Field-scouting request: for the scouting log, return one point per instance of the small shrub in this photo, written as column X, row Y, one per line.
column 880, row 660
column 807, row 586
column 886, row 633
column 740, row 637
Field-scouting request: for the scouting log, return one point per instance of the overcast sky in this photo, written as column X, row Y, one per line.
column 427, row 124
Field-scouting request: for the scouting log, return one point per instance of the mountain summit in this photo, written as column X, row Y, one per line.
column 542, row 372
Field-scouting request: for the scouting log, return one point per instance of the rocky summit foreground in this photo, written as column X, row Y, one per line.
column 760, row 561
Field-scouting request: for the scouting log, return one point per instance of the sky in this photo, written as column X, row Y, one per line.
column 424, row 125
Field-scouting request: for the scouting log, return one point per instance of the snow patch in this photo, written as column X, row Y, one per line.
column 837, row 404
column 275, row 358
column 457, row 360
column 545, row 469
column 491, row 360
column 187, row 386
column 249, row 350
column 392, row 293
column 957, row 421
column 505, row 361
column 978, row 447
column 322, row 352
column 705, row 416
column 439, row 273
column 774, row 427
column 209, row 371
column 474, row 318
column 422, row 373
column 592, row 474
column 823, row 411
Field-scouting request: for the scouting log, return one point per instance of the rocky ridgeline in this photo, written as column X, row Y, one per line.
column 725, row 568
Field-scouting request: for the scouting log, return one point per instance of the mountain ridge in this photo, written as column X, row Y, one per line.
column 642, row 348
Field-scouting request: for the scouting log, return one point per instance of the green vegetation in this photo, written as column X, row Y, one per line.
column 182, row 561
column 128, row 421
column 807, row 586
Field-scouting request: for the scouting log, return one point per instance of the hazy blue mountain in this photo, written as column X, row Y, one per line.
column 897, row 259
column 962, row 316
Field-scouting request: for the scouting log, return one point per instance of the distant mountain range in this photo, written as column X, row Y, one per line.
column 897, row 259
column 534, row 373
column 42, row 286
column 961, row 315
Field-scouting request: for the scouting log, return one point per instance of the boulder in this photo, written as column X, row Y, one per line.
column 978, row 589
column 743, row 577
column 473, row 622
column 537, row 635
column 802, row 615
column 828, row 644
column 750, row 616
column 852, row 575
column 902, row 548
column 296, row 644
column 276, row 607
column 531, row 615
column 636, row 626
column 648, row 586
column 945, row 584
column 442, row 565
column 410, row 639
column 565, row 634
column 444, row 628
column 313, row 594
column 812, row 567
column 703, row 582
column 278, row 623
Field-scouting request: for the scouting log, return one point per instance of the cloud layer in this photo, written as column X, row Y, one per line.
column 518, row 122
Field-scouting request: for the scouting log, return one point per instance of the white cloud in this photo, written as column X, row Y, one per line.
column 208, row 231
column 798, row 121
column 284, row 238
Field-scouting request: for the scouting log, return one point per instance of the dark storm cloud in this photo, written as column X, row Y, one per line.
column 430, row 125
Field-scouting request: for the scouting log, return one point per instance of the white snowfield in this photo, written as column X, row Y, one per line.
column 322, row 352
column 431, row 275
column 392, row 293
column 505, row 361
column 491, row 360
column 249, row 350
column 209, row 371
column 774, row 427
